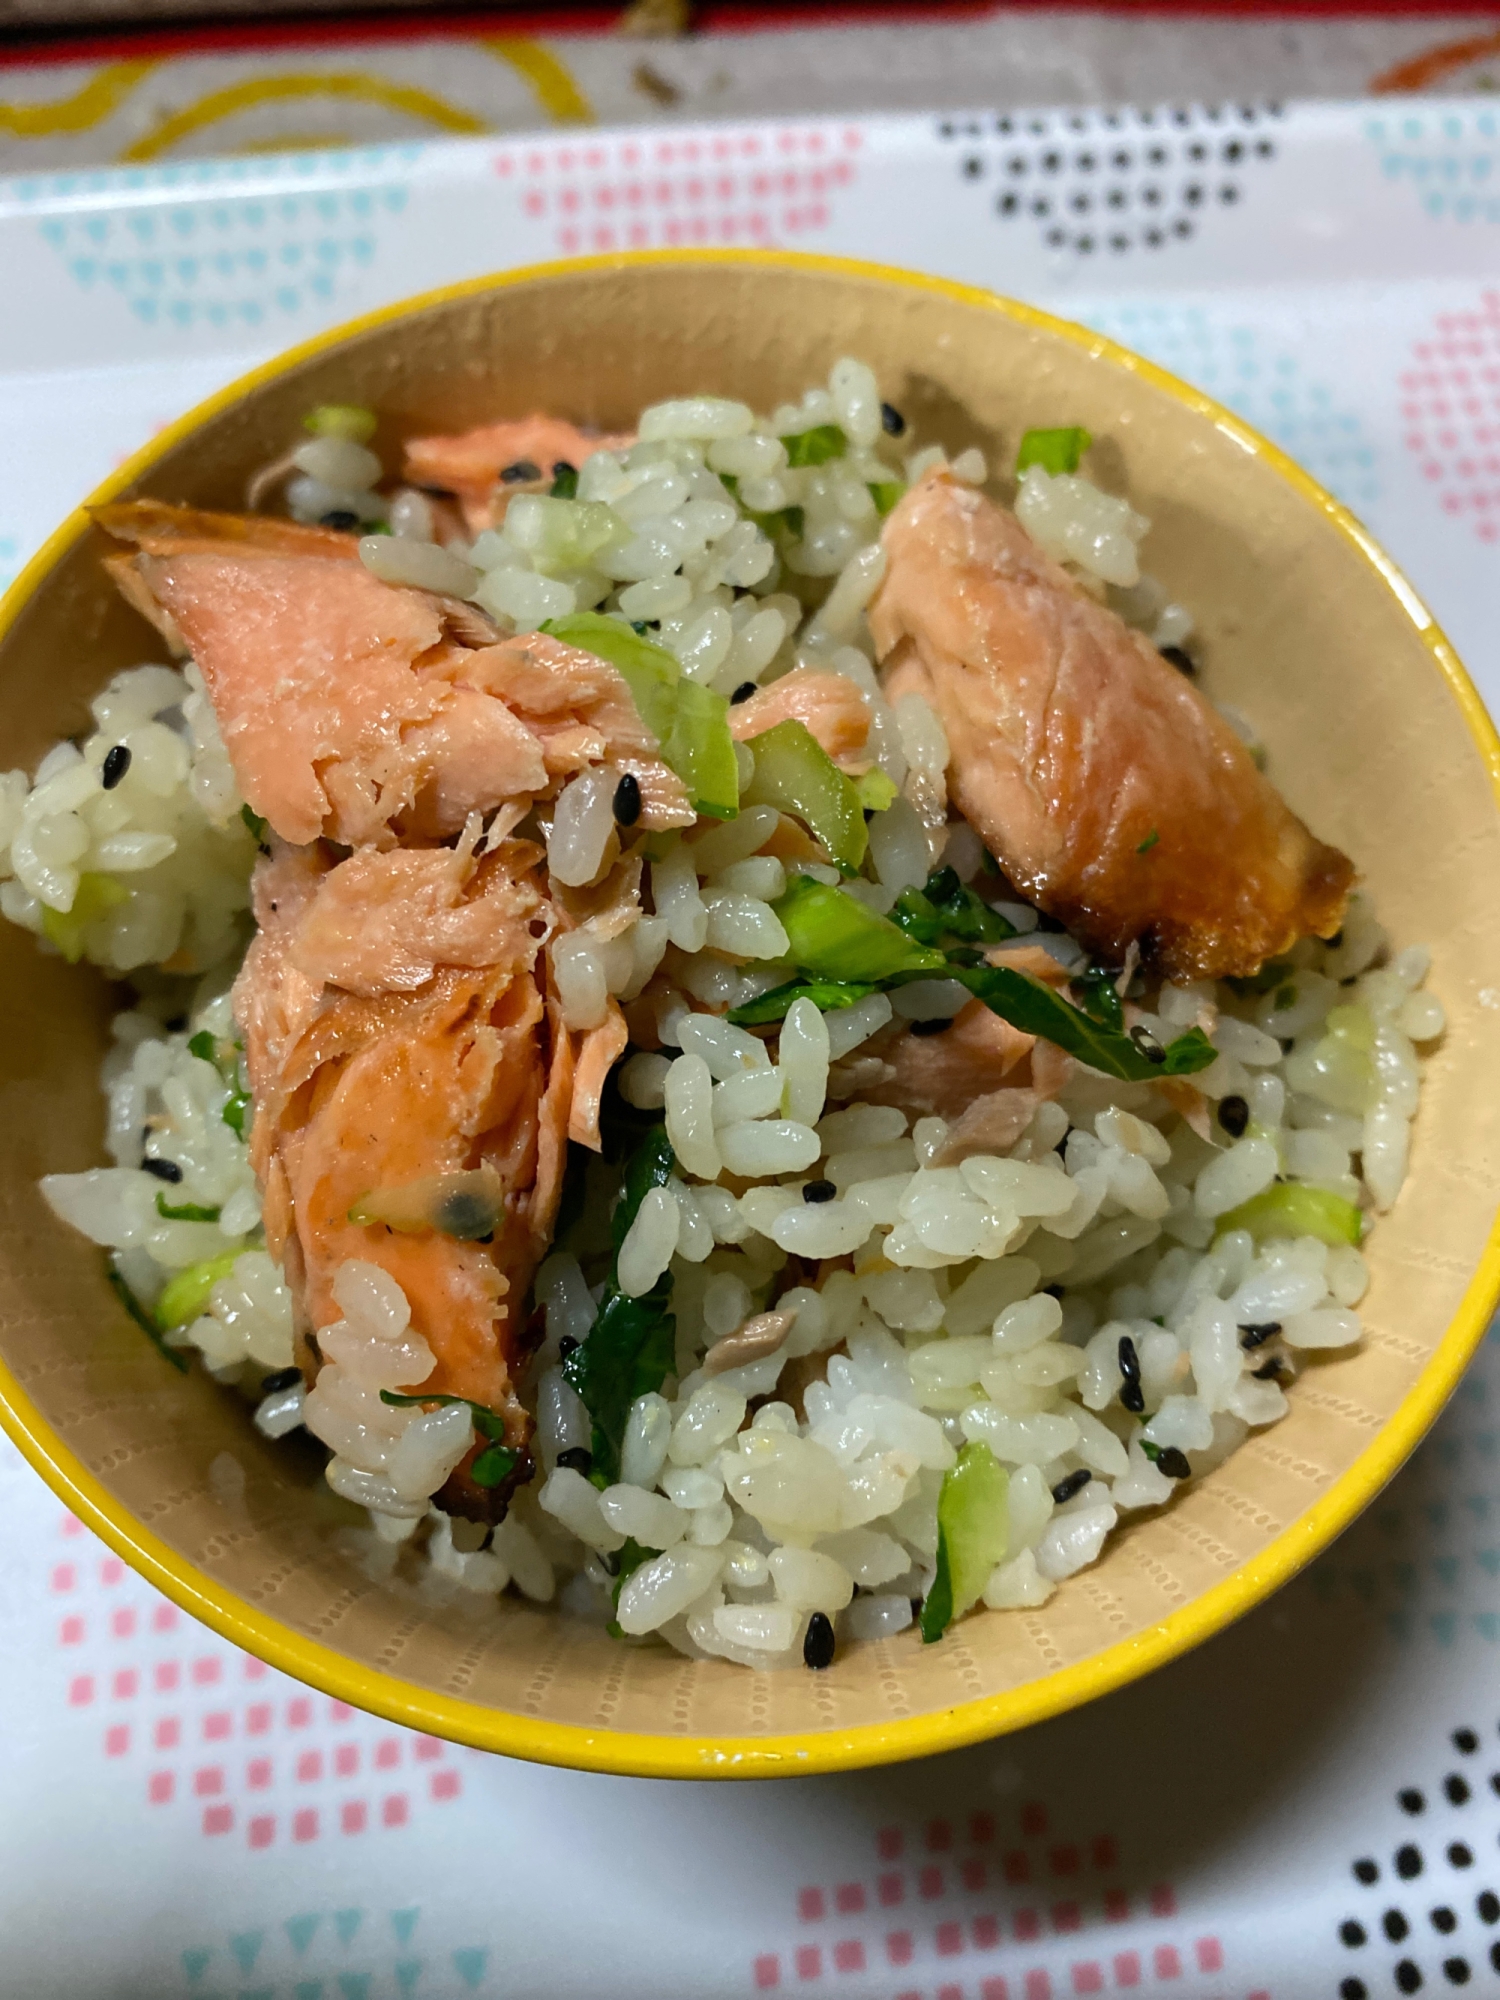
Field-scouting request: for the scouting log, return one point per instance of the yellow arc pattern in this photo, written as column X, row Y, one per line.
column 651, row 1755
column 105, row 91
column 551, row 84
column 357, row 84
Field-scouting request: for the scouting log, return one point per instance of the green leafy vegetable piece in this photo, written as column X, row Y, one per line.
column 815, row 447
column 783, row 526
column 205, row 1046
column 885, row 494
column 973, row 1526
column 1034, row 1008
column 95, row 897
column 1295, row 1208
column 144, row 1320
column 829, row 996
column 945, row 908
column 493, row 1465
column 186, row 1293
column 1149, row 842
column 255, row 823
column 631, row 1347
column 794, row 773
column 834, row 936
column 1054, row 451
column 235, row 1106
column 341, row 420
column 187, row 1211
column 564, row 483
column 1266, row 980
column 876, row 790
column 690, row 721
column 1098, row 995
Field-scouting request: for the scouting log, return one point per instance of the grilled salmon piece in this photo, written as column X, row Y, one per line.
column 828, row 705
column 398, row 1029
column 365, row 712
column 1111, row 792
column 469, row 464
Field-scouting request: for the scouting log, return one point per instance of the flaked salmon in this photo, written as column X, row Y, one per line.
column 1111, row 792
column 469, row 464
column 364, row 712
column 828, row 705
column 398, row 1030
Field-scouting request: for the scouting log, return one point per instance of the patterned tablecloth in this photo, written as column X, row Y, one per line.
column 1307, row 1807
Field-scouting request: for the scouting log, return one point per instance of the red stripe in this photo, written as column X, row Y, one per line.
column 30, row 49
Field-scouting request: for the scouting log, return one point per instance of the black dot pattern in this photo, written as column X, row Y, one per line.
column 1456, row 1971
column 1118, row 183
column 1353, row 1989
column 1408, row 1862
column 1408, row 1976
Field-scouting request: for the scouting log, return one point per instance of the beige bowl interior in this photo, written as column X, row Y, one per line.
column 1369, row 741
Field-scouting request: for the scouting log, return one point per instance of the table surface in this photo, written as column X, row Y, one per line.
column 1308, row 1806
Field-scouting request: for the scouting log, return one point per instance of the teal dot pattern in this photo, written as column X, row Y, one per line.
column 10, row 560
column 1266, row 386
column 334, row 1954
column 192, row 246
column 1448, row 154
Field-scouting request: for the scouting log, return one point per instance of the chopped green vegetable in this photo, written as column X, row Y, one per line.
column 205, row 1046
column 690, row 721
column 794, row 773
column 943, row 907
column 186, row 1293
column 829, row 996
column 782, row 526
column 235, row 1106
column 341, row 420
column 491, row 1466
column 834, row 936
column 1270, row 975
column 1054, row 451
column 187, row 1211
column 1295, row 1208
column 631, row 1347
column 1149, row 842
column 973, row 1526
column 876, row 790
column 1098, row 995
column 255, row 823
column 95, row 897
column 564, row 483
column 1029, row 1005
column 815, row 447
column 144, row 1320
column 885, row 494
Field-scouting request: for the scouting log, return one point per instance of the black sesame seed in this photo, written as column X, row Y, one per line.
column 1353, row 1989
column 512, row 475
column 1395, row 1926
column 742, row 693
column 1351, row 1933
column 566, row 1346
column 561, row 466
column 1267, row 1371
column 1234, row 1115
column 164, row 1170
column 1173, row 1462
column 1443, row 1919
column 1148, row 1045
column 577, row 1458
column 1365, row 1870
column 1408, row 1862
column 1176, row 657
column 284, row 1378
column 1456, row 1971
column 1456, row 1789
column 1488, row 1905
column 1073, row 1483
column 816, row 1191
column 934, row 1027
column 116, row 764
column 340, row 519
column 1408, row 1979
column 1132, row 1395
column 1465, row 1740
column 891, row 420
column 628, row 800
column 1460, row 1856
column 179, row 1021
column 1255, row 1333
column 819, row 1645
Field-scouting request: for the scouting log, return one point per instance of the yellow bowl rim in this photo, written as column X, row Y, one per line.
column 633, row 1753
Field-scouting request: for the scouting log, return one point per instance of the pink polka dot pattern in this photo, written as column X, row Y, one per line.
column 1451, row 408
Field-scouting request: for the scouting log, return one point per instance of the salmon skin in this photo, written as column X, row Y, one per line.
column 365, row 712
column 1113, row 795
